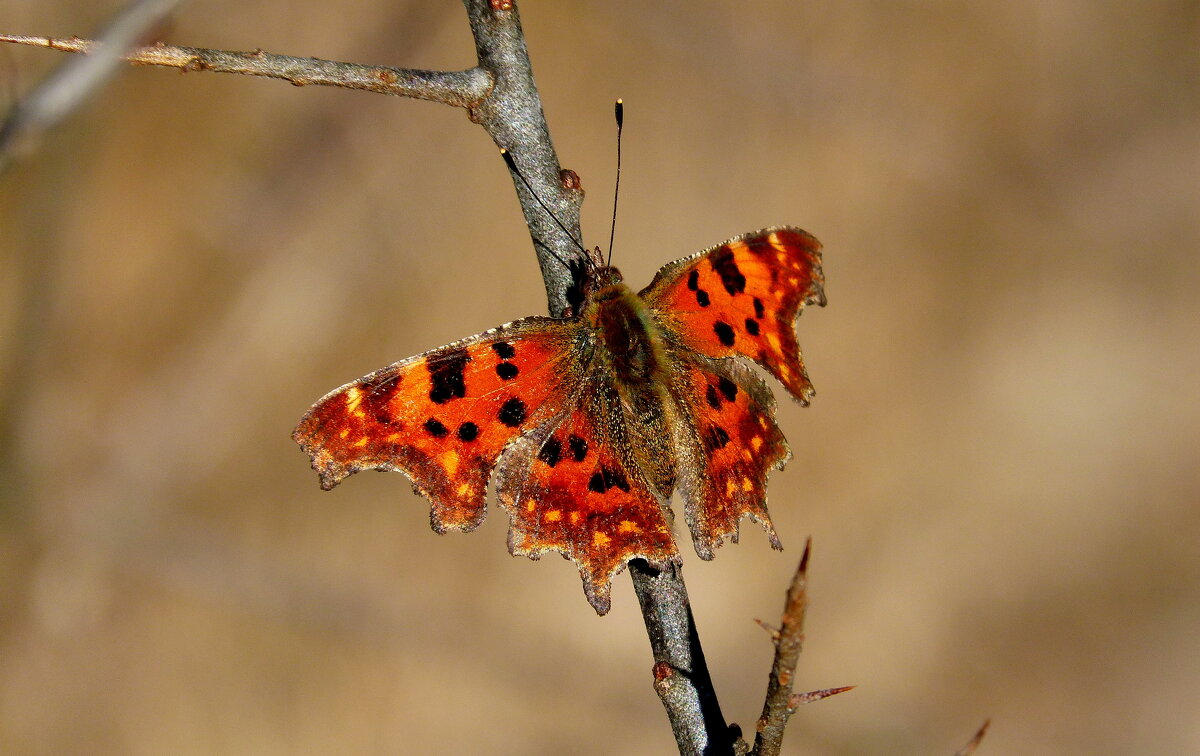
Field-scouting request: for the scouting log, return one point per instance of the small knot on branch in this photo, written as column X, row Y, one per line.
column 570, row 180
column 663, row 674
column 501, row 5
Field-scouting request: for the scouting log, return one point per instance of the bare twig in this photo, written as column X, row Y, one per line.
column 975, row 740
column 459, row 88
column 70, row 85
column 789, row 639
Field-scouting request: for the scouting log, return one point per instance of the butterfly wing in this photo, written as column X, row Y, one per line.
column 727, row 448
column 573, row 487
column 444, row 416
column 743, row 297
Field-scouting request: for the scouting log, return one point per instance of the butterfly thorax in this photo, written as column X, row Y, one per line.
column 632, row 342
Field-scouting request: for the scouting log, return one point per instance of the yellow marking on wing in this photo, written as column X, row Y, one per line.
column 343, row 433
column 530, row 505
column 574, row 517
column 628, row 526
column 394, row 437
column 449, row 462
column 729, row 487
column 774, row 239
column 360, row 443
column 762, row 420
column 756, row 442
column 554, row 515
column 464, row 489
column 747, row 484
column 600, row 540
column 746, row 455
column 353, row 397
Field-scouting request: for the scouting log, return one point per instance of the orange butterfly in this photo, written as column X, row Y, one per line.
column 589, row 423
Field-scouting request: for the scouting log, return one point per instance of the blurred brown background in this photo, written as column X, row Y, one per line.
column 999, row 471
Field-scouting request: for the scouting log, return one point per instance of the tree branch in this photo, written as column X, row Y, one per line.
column 681, row 676
column 458, row 88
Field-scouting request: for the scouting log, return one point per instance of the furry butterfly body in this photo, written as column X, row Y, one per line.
column 588, row 424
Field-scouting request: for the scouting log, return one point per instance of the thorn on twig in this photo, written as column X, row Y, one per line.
column 799, row 699
column 974, row 742
column 771, row 629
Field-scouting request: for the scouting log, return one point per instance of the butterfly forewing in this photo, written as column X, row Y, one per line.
column 742, row 298
column 443, row 417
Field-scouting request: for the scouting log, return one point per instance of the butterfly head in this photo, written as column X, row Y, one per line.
column 603, row 283
column 588, row 279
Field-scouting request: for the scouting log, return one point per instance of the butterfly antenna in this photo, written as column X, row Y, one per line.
column 512, row 166
column 619, row 110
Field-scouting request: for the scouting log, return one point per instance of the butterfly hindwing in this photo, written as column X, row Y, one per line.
column 730, row 444
column 572, row 487
column 742, row 298
column 443, row 417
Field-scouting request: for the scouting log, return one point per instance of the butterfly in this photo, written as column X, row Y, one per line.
column 587, row 424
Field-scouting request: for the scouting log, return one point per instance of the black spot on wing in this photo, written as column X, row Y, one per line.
column 693, row 281
column 715, row 438
column 728, row 388
column 446, row 373
column 551, row 452
column 507, row 371
column 578, row 447
column 725, row 266
column 434, row 427
column 759, row 310
column 702, row 298
column 752, row 326
column 724, row 332
column 512, row 412
column 712, row 397
column 468, row 431
column 503, row 350
column 607, row 478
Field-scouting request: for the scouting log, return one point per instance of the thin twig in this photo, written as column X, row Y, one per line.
column 788, row 639
column 458, row 88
